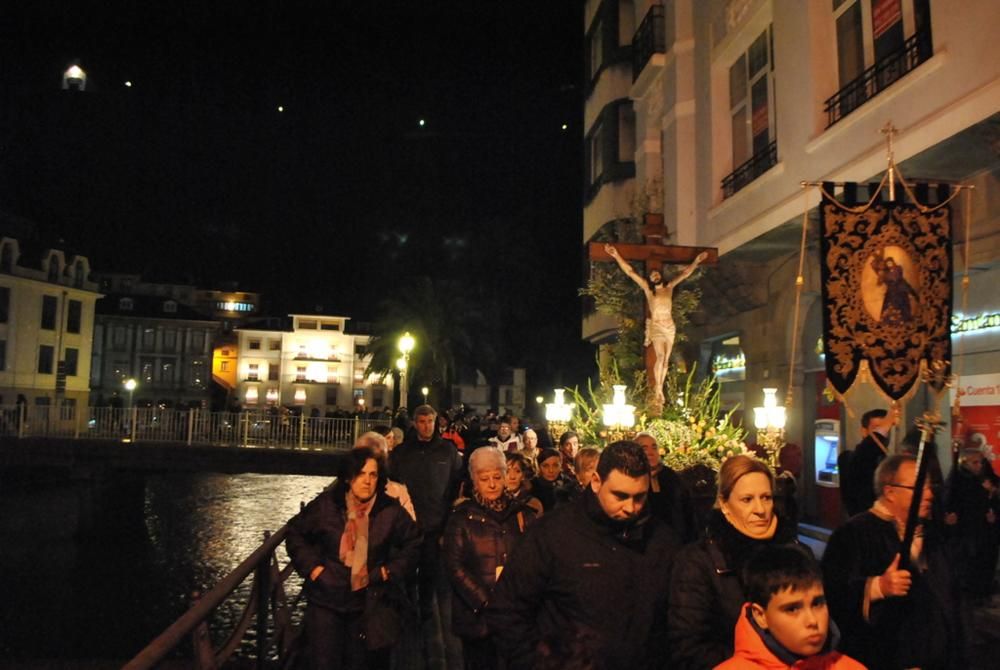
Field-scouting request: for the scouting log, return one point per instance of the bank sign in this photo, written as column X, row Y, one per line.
column 980, row 423
column 970, row 324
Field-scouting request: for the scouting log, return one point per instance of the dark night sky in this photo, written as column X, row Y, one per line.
column 193, row 174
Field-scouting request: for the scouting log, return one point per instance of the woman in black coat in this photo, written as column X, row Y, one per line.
column 706, row 587
column 552, row 486
column 354, row 547
column 478, row 539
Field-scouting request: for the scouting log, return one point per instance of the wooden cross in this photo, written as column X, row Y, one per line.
column 654, row 254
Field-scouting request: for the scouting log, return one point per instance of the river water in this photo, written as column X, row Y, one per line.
column 107, row 598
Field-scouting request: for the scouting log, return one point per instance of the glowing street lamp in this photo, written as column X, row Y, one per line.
column 425, row 391
column 770, row 423
column 406, row 345
column 130, row 385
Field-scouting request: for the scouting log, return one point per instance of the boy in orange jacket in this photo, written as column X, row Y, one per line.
column 786, row 624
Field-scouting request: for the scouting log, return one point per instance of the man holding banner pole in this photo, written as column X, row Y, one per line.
column 887, row 575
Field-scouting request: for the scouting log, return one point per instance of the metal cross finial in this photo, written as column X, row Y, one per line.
column 889, row 130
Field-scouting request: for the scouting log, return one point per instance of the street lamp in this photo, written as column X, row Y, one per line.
column 770, row 423
column 425, row 391
column 617, row 414
column 130, row 385
column 406, row 344
column 558, row 413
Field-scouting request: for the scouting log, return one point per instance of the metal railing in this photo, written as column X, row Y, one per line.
column 759, row 164
column 268, row 609
column 649, row 39
column 915, row 50
column 152, row 424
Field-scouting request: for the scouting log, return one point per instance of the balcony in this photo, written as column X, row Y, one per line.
column 753, row 168
column 878, row 77
column 649, row 39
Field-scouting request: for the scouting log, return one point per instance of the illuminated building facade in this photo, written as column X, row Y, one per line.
column 313, row 364
column 46, row 321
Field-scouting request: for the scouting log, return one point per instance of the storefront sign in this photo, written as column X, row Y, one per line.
column 971, row 324
column 722, row 364
column 979, row 426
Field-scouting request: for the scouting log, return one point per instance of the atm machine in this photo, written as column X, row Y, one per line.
column 827, row 447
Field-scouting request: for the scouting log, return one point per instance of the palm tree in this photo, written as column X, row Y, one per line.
column 441, row 319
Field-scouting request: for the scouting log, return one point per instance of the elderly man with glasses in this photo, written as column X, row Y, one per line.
column 893, row 617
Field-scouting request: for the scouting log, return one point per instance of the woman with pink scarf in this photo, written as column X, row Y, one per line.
column 354, row 547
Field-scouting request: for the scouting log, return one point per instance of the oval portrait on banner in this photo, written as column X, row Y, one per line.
column 889, row 281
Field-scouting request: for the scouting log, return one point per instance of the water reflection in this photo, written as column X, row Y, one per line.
column 108, row 597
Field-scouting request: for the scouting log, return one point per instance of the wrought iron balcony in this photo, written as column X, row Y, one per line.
column 879, row 77
column 759, row 164
column 649, row 39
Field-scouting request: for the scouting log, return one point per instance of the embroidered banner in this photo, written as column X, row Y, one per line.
column 887, row 293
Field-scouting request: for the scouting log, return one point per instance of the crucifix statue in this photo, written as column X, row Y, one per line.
column 660, row 328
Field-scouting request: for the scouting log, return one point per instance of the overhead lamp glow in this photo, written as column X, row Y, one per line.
column 770, row 416
column 559, row 410
column 128, row 84
column 617, row 413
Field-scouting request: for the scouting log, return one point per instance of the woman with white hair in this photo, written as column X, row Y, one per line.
column 377, row 443
column 480, row 535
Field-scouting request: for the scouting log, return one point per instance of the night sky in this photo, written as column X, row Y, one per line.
column 193, row 174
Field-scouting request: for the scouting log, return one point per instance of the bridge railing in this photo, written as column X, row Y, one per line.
column 154, row 424
column 268, row 610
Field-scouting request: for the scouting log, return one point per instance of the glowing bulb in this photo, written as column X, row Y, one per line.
column 128, row 84
column 421, row 123
column 281, row 108
column 565, row 126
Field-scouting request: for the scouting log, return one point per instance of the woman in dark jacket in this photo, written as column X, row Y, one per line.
column 552, row 485
column 706, row 587
column 479, row 537
column 354, row 546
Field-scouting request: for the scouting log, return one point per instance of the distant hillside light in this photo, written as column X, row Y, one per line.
column 565, row 126
column 281, row 108
column 74, row 78
column 128, row 84
column 421, row 123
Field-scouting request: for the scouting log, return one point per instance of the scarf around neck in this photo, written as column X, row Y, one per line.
column 354, row 541
column 498, row 505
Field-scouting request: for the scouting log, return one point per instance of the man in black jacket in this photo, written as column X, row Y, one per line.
column 858, row 487
column 431, row 469
column 892, row 617
column 591, row 577
column 669, row 499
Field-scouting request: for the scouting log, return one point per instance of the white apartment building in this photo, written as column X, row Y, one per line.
column 313, row 365
column 714, row 111
column 46, row 328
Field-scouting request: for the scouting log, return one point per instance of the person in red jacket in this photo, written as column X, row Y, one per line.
column 786, row 623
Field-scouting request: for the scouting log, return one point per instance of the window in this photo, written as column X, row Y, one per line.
column 118, row 337
column 272, row 372
column 751, row 113
column 148, row 339
column 610, row 146
column 307, row 325
column 873, row 51
column 4, row 303
column 78, row 274
column 198, row 374
column 300, row 373
column 167, row 371
column 67, row 409
column 223, row 366
column 274, row 345
column 329, row 325
column 73, row 315
column 146, row 369
column 603, row 42
column 48, row 312
column 508, row 396
column 751, row 94
column 378, row 397
column 198, row 341
column 170, row 340
column 126, row 304
column 71, row 361
column 253, row 372
column 54, row 268
column 170, row 307
column 331, row 395
column 6, row 258
column 45, row 356
column 119, row 370
column 3, row 355
column 254, row 345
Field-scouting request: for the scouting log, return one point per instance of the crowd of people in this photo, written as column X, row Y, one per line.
column 445, row 547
